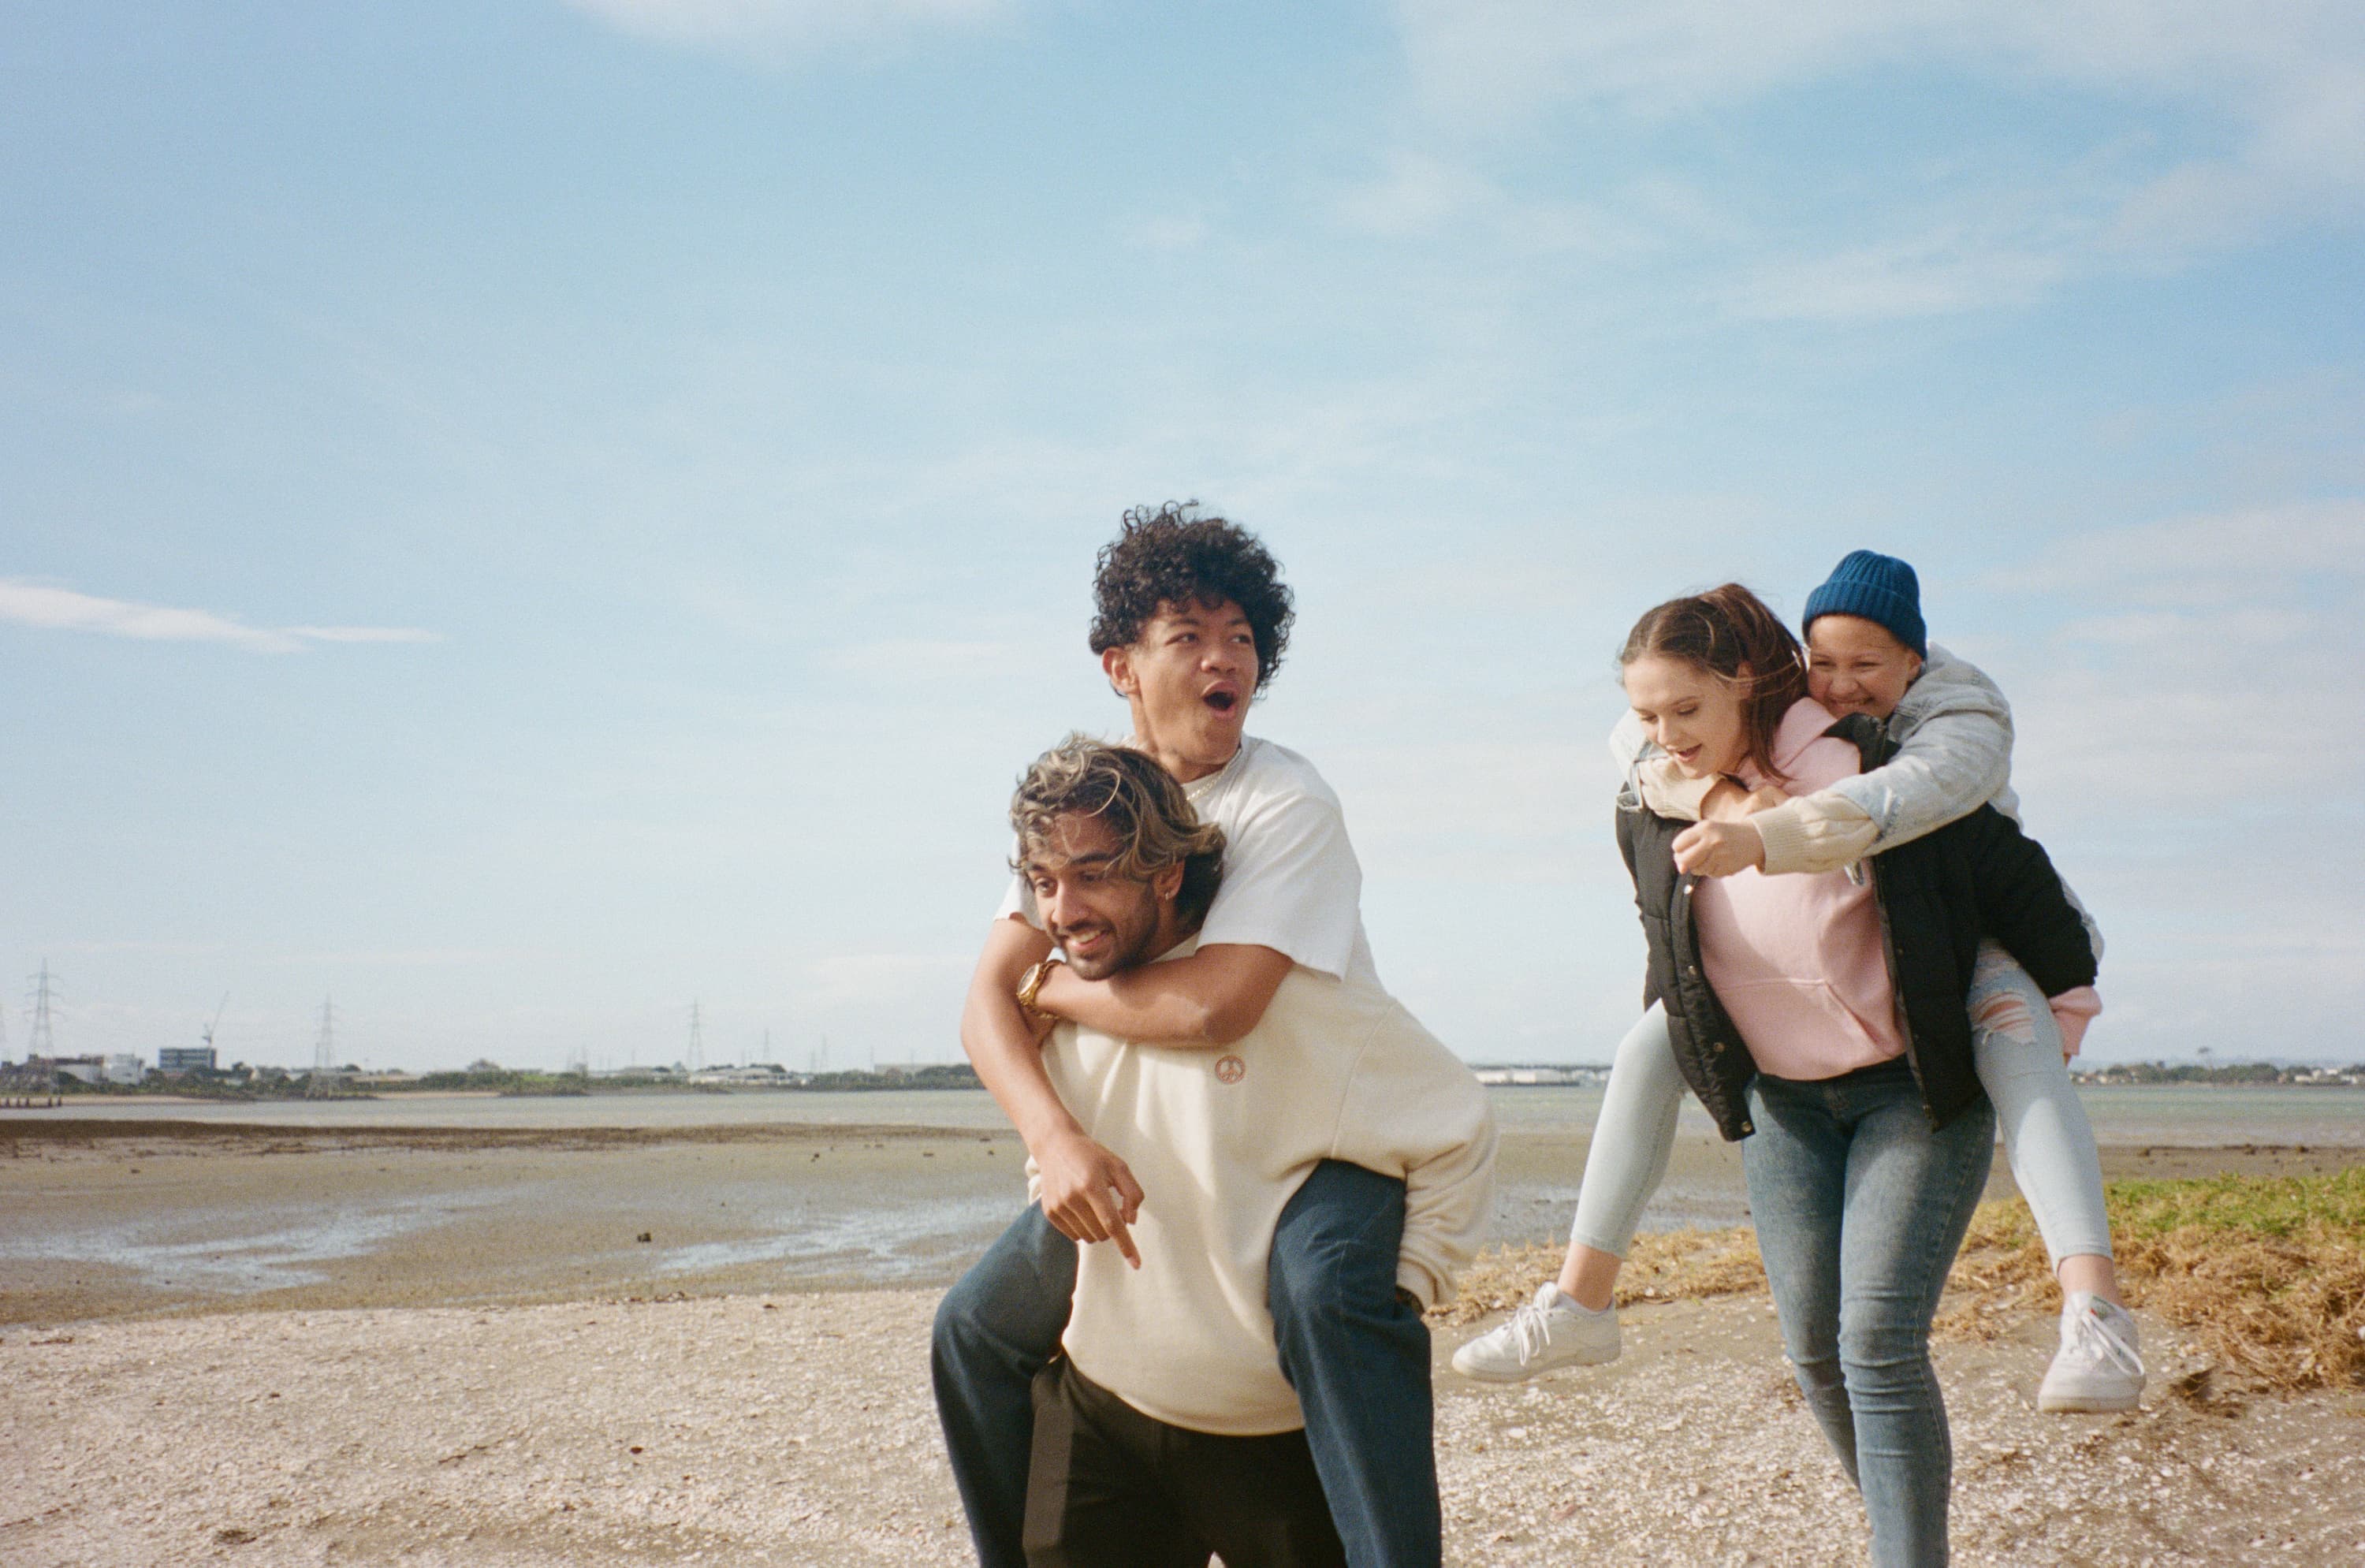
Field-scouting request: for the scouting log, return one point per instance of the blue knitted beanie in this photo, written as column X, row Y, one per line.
column 1880, row 589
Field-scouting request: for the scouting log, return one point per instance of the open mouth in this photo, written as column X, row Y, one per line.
column 1221, row 698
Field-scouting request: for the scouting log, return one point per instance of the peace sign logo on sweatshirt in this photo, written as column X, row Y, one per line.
column 1231, row 1069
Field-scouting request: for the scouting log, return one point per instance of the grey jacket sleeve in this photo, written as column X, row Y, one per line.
column 1953, row 735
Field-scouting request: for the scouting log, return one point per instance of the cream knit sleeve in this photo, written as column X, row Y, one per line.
column 1821, row 832
column 1668, row 792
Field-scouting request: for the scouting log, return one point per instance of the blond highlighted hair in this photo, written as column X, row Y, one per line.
column 1143, row 804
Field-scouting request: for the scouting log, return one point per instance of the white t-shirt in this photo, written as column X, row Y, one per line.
column 1291, row 880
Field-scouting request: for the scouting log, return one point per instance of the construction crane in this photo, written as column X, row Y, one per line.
column 207, row 1038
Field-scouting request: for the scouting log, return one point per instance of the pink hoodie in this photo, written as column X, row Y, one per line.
column 1797, row 960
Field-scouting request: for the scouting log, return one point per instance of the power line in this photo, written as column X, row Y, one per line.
column 43, row 1040
column 324, row 1049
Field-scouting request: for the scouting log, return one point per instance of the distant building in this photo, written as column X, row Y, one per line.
column 175, row 1062
column 761, row 1073
column 125, row 1067
column 1536, row 1077
column 85, row 1069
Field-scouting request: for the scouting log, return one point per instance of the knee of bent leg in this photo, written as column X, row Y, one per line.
column 957, row 1326
column 2005, row 1012
column 978, row 1313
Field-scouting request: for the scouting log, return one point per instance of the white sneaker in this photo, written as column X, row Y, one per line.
column 2097, row 1367
column 1548, row 1332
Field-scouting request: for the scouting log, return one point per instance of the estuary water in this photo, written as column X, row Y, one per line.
column 2178, row 1115
column 309, row 1204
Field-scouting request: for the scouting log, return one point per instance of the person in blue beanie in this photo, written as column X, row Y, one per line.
column 1871, row 586
column 1869, row 653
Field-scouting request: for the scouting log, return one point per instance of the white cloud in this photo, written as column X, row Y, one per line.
column 63, row 610
column 925, row 661
column 1931, row 274
column 1416, row 196
column 774, row 28
column 1501, row 58
column 1178, row 231
column 2190, row 738
column 2269, row 100
column 2187, row 642
column 362, row 634
column 2214, row 558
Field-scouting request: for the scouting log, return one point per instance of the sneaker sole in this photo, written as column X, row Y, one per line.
column 1528, row 1375
column 2087, row 1404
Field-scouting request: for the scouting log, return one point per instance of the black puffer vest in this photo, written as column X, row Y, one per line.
column 1939, row 894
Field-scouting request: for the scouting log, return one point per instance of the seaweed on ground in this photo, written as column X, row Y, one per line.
column 2265, row 1273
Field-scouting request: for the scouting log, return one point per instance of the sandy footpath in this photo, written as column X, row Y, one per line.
column 797, row 1429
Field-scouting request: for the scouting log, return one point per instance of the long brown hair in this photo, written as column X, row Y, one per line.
column 1729, row 632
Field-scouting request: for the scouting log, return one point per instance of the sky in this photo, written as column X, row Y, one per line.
column 521, row 518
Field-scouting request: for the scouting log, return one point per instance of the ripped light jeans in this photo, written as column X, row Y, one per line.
column 2017, row 1047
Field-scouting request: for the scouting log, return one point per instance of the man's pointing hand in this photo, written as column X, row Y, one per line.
column 1088, row 1193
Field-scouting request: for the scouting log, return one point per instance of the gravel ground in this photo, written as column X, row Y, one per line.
column 797, row 1429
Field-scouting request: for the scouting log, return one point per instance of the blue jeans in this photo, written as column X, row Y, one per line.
column 1860, row 1209
column 1356, row 1356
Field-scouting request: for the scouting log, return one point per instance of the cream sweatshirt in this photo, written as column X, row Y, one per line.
column 1220, row 1138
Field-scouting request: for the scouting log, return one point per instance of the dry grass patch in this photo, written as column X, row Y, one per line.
column 2267, row 1274
column 1661, row 1266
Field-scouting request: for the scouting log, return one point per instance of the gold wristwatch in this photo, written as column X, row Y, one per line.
column 1032, row 986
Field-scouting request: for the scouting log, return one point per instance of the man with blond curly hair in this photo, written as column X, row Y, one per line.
column 1192, row 619
column 1167, row 1428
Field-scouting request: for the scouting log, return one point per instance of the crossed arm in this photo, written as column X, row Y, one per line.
column 1211, row 998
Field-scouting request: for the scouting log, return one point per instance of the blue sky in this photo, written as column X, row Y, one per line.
column 520, row 516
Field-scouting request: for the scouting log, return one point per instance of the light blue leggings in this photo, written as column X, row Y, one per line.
column 2017, row 1047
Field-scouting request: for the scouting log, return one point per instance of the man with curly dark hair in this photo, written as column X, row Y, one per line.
column 1173, row 556
column 1191, row 617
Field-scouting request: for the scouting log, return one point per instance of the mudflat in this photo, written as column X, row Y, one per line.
column 119, row 1218
column 797, row 1429
column 113, row 1218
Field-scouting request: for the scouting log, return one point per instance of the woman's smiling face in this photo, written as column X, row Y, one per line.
column 1854, row 665
column 1691, row 713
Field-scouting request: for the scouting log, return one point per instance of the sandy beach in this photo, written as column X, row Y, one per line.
column 797, row 1429
column 505, row 1374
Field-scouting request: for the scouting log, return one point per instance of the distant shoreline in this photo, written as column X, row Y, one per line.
column 505, row 1085
column 285, row 1138
column 282, row 1088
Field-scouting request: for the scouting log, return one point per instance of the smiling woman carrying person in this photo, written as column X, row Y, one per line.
column 1867, row 654
column 1821, row 1020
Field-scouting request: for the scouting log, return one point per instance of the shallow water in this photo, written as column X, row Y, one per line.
column 223, row 1252
column 2181, row 1114
column 909, row 1107
column 82, row 1231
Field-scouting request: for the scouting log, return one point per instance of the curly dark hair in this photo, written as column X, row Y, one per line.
column 1173, row 556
